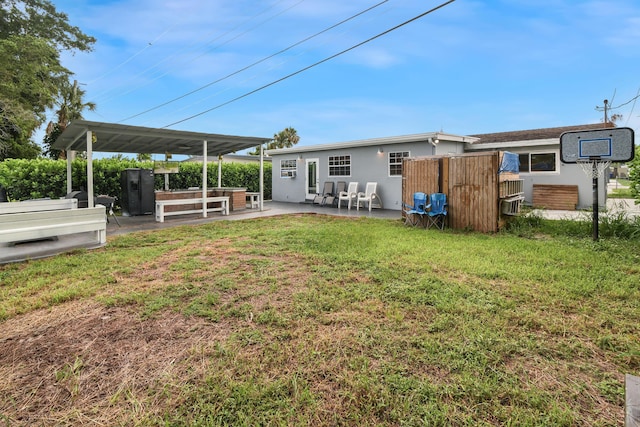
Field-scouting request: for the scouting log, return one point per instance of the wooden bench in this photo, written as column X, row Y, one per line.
column 555, row 196
column 25, row 226
column 39, row 205
column 190, row 203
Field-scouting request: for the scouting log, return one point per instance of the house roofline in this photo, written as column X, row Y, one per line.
column 373, row 142
column 535, row 134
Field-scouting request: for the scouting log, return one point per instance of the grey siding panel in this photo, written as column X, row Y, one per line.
column 366, row 166
column 287, row 189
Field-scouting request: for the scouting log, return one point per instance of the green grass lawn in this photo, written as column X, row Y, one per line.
column 621, row 192
column 323, row 321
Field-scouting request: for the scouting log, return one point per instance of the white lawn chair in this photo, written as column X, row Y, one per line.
column 350, row 195
column 369, row 196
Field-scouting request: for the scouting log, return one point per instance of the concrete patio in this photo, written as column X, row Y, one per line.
column 129, row 224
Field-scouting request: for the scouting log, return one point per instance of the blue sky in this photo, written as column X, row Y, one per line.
column 470, row 67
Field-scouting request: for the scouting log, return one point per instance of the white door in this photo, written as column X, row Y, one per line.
column 312, row 180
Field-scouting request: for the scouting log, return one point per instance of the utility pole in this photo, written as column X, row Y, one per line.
column 606, row 104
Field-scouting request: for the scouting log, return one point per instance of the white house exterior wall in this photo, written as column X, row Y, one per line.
column 366, row 165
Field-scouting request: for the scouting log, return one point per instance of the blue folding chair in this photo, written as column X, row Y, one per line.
column 437, row 211
column 414, row 214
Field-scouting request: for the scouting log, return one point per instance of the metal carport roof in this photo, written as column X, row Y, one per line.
column 117, row 138
column 83, row 135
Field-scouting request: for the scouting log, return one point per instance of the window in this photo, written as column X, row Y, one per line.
column 524, row 162
column 543, row 162
column 538, row 162
column 288, row 168
column 340, row 165
column 395, row 162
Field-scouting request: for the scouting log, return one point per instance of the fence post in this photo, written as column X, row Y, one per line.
column 632, row 401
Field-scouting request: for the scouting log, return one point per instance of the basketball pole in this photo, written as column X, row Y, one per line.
column 594, row 183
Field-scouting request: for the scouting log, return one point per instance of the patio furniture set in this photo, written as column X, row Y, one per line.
column 348, row 194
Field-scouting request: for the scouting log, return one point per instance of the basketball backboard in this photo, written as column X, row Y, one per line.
column 611, row 144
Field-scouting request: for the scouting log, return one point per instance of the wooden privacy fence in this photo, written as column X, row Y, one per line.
column 420, row 175
column 472, row 183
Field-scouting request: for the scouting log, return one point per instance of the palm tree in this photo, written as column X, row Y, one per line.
column 286, row 138
column 71, row 106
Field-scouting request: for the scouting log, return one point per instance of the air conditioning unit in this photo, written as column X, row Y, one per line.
column 287, row 174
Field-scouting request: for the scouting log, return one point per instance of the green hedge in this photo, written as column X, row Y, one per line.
column 33, row 179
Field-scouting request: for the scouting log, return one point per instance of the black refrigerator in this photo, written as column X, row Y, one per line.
column 138, row 196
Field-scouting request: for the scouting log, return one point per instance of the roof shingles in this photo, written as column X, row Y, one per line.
column 535, row 134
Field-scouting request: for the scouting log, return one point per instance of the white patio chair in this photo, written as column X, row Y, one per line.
column 369, row 196
column 350, row 195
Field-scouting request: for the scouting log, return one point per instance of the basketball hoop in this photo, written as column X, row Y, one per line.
column 593, row 168
column 589, row 148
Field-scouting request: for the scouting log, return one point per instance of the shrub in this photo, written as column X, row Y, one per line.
column 33, row 179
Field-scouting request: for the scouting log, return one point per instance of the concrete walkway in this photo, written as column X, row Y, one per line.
column 140, row 223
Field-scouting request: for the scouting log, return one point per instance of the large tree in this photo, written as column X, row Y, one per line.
column 40, row 19
column 32, row 34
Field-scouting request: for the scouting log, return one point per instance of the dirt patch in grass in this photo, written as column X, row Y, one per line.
column 80, row 362
column 83, row 362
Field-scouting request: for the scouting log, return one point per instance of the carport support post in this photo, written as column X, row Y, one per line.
column 90, row 168
column 204, row 178
column 219, row 170
column 69, row 174
column 261, row 177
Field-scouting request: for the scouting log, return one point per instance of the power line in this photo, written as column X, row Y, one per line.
column 192, row 47
column 626, row 103
column 621, row 105
column 632, row 107
column 257, row 62
column 151, row 43
column 314, row 64
column 174, row 113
